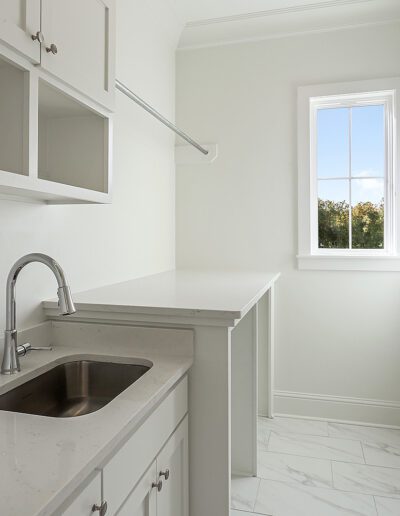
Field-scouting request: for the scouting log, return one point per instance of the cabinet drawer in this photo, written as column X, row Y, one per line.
column 126, row 467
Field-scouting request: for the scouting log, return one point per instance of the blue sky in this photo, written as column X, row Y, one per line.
column 367, row 153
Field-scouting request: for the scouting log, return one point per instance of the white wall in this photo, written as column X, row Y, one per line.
column 135, row 235
column 338, row 333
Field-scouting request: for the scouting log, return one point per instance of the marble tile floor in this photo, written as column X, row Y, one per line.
column 316, row 468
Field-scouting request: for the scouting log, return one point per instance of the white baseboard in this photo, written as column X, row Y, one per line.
column 337, row 408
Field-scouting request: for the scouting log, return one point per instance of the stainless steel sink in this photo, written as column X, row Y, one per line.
column 72, row 389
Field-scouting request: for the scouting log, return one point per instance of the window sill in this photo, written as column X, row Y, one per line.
column 348, row 263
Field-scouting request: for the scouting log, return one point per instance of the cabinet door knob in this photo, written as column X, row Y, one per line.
column 102, row 509
column 158, row 485
column 165, row 474
column 38, row 37
column 52, row 48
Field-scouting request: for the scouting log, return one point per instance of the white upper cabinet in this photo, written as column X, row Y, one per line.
column 79, row 45
column 57, row 82
column 19, row 20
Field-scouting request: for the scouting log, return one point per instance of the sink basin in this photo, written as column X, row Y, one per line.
column 72, row 389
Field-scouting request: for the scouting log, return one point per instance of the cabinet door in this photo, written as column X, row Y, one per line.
column 79, row 45
column 172, row 466
column 142, row 501
column 84, row 501
column 19, row 20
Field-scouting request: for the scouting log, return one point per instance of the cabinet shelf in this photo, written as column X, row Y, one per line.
column 35, row 189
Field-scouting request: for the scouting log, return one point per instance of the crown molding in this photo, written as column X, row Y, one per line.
column 275, row 12
column 283, row 35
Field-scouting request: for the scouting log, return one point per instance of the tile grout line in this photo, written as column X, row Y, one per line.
column 333, row 484
column 282, row 482
column 339, row 461
column 288, row 432
column 322, row 458
column 258, row 490
column 376, row 507
column 362, row 449
column 268, row 439
column 340, row 422
column 332, row 487
column 344, row 438
column 347, row 439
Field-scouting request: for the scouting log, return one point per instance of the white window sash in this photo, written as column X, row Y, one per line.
column 310, row 99
column 348, row 101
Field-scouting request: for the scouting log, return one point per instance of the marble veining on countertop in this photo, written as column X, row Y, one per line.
column 42, row 459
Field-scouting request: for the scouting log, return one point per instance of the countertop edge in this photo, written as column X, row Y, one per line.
column 50, row 307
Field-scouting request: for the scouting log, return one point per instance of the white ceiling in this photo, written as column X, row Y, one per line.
column 213, row 22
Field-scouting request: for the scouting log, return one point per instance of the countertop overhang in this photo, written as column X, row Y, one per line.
column 176, row 296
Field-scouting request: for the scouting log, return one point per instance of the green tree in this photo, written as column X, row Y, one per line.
column 367, row 225
column 333, row 224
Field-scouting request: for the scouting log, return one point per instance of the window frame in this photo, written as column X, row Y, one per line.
column 310, row 99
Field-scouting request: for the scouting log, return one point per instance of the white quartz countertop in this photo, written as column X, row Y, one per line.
column 179, row 293
column 44, row 459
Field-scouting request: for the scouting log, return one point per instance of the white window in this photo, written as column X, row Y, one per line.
column 348, row 218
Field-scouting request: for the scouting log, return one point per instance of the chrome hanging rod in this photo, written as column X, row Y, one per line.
column 126, row 91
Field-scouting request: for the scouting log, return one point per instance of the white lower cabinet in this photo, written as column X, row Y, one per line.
column 172, row 466
column 163, row 490
column 148, row 474
column 84, row 502
column 143, row 499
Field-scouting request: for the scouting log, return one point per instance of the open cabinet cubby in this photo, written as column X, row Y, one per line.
column 54, row 145
column 72, row 142
column 13, row 119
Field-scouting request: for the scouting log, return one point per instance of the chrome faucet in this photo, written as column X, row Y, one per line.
column 12, row 351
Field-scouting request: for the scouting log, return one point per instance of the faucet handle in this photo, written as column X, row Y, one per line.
column 24, row 349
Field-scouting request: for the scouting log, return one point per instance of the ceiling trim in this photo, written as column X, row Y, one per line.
column 274, row 12
column 287, row 35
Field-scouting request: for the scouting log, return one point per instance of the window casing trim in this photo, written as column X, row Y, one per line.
column 310, row 99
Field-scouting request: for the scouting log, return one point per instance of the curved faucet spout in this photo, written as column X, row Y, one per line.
column 10, row 362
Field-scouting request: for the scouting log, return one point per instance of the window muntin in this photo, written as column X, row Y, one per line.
column 352, row 185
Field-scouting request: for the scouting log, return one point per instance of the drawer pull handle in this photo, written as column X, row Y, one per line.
column 165, row 474
column 158, row 485
column 52, row 48
column 38, row 37
column 102, row 509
